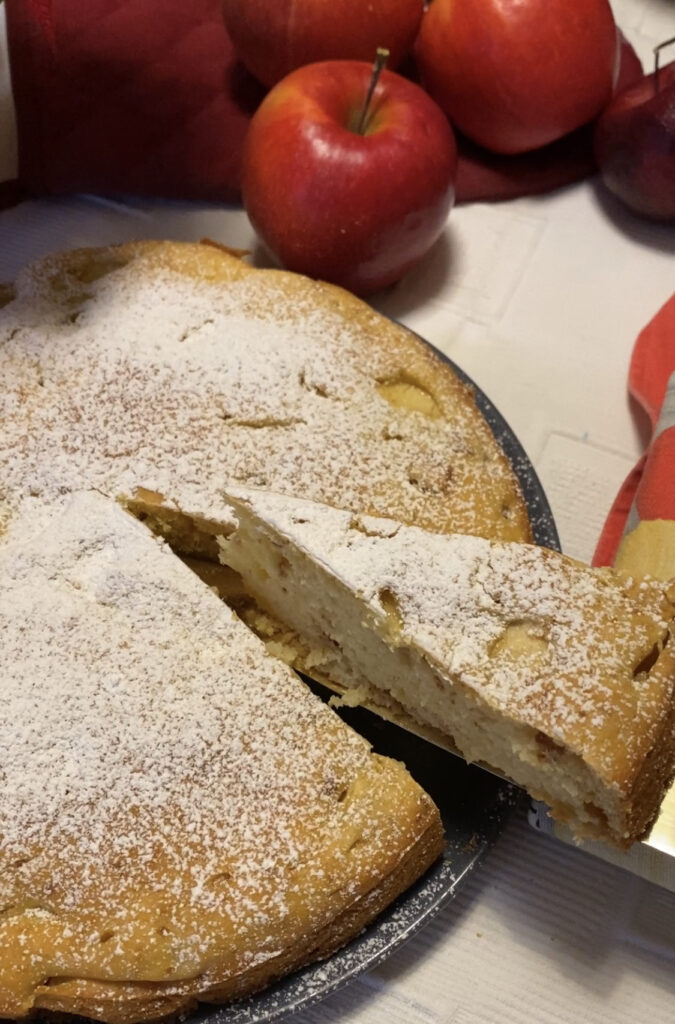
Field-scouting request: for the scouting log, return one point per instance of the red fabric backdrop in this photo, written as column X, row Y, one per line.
column 146, row 97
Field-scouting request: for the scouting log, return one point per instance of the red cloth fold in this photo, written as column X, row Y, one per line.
column 617, row 517
column 649, row 489
column 653, row 361
column 146, row 97
column 42, row 13
column 655, row 495
column 138, row 96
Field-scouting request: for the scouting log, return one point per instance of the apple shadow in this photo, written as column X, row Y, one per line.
column 421, row 284
column 651, row 234
column 261, row 257
column 418, row 286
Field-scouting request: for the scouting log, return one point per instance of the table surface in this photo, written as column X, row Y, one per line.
column 540, row 300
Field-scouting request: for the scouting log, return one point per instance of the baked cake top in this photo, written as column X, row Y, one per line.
column 162, row 371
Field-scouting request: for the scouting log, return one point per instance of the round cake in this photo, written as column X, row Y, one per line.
column 181, row 819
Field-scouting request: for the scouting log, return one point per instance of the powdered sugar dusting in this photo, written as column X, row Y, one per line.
column 165, row 786
column 156, row 379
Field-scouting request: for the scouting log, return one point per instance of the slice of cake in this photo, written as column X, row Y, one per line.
column 180, row 818
column 558, row 676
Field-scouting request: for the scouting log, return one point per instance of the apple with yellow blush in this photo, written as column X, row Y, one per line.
column 347, row 176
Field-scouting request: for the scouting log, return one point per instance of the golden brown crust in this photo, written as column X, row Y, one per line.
column 401, row 408
column 70, row 426
column 649, row 784
column 127, row 1004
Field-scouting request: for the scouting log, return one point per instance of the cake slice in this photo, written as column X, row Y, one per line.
column 180, row 818
column 556, row 675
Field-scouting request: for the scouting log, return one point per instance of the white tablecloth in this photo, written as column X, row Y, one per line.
column 540, row 301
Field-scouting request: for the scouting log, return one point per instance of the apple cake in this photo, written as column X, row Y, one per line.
column 180, row 821
column 557, row 675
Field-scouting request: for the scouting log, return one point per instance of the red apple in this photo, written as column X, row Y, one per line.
column 634, row 145
column 514, row 76
column 357, row 206
column 273, row 37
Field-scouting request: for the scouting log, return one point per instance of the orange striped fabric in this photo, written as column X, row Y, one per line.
column 649, row 490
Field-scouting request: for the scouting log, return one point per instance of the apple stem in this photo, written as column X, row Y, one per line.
column 381, row 57
column 657, row 56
